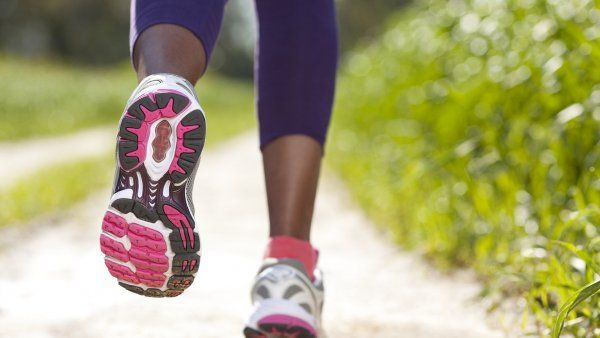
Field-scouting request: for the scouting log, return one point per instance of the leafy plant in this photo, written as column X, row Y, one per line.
column 471, row 130
column 581, row 295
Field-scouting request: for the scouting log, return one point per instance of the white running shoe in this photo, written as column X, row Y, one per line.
column 286, row 303
column 148, row 233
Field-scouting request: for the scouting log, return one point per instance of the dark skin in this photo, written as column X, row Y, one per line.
column 171, row 49
column 291, row 162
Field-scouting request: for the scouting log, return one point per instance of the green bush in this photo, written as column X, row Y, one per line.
column 470, row 128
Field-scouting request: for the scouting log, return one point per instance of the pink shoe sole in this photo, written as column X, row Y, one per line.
column 148, row 234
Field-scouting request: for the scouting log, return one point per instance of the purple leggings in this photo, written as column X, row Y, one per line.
column 296, row 59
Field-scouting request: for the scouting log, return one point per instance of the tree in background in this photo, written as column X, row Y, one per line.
column 363, row 20
column 85, row 31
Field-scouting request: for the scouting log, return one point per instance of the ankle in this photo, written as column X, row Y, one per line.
column 281, row 247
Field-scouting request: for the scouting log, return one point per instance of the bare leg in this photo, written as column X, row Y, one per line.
column 167, row 48
column 291, row 165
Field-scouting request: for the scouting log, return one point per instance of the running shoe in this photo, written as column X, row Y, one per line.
column 286, row 303
column 148, row 232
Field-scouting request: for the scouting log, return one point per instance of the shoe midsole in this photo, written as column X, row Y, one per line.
column 272, row 307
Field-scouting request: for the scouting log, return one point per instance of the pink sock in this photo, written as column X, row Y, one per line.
column 289, row 247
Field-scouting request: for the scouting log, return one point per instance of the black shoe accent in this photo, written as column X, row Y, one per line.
column 179, row 101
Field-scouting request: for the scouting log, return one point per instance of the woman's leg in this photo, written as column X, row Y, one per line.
column 291, row 165
column 297, row 59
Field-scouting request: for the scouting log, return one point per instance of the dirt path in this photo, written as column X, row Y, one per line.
column 53, row 282
column 24, row 157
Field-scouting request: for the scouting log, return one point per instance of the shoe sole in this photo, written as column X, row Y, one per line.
column 148, row 232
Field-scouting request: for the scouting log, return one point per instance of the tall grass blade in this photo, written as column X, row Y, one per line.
column 582, row 294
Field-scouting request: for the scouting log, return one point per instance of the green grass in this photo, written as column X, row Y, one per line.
column 229, row 106
column 54, row 188
column 42, row 97
column 471, row 130
column 49, row 98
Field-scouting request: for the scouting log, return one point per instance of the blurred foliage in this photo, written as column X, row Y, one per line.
column 234, row 53
column 85, row 30
column 362, row 21
column 471, row 129
column 97, row 32
column 45, row 98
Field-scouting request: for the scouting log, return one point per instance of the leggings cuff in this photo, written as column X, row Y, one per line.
column 266, row 138
column 203, row 22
